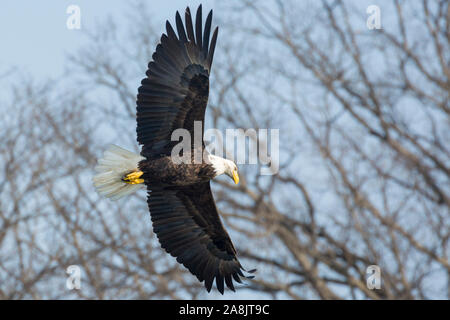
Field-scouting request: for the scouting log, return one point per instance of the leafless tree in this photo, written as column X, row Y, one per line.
column 363, row 174
column 50, row 217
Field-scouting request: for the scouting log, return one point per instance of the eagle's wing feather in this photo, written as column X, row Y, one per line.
column 175, row 92
column 188, row 227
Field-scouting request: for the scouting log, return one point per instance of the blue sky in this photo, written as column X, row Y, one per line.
column 35, row 37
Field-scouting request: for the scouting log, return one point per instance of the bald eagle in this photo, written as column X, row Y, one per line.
column 183, row 212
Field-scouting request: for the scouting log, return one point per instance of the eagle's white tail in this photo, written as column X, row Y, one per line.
column 116, row 163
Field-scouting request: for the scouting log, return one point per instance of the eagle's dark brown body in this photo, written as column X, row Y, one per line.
column 163, row 172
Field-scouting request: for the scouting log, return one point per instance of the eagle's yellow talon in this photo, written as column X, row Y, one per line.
column 133, row 177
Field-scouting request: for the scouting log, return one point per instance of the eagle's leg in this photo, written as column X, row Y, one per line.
column 133, row 177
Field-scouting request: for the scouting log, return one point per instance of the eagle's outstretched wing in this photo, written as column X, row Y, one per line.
column 188, row 227
column 175, row 92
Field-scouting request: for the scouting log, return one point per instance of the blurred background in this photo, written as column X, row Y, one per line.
column 364, row 170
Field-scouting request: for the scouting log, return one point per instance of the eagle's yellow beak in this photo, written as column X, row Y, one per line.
column 235, row 177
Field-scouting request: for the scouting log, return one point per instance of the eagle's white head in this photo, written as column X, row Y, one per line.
column 226, row 166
